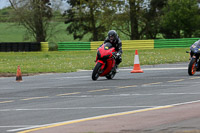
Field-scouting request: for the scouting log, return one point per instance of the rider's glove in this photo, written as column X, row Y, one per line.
column 118, row 54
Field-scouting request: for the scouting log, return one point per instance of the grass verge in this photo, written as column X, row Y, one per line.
column 71, row 61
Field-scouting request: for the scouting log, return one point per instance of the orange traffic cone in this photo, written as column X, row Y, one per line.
column 19, row 74
column 136, row 67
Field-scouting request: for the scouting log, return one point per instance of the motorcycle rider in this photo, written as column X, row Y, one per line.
column 114, row 39
column 197, row 42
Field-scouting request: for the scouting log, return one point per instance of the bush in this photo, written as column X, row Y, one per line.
column 53, row 46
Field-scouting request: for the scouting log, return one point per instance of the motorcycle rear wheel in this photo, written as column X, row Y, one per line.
column 111, row 76
column 192, row 67
column 96, row 71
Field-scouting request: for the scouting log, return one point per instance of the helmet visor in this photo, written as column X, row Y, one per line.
column 111, row 38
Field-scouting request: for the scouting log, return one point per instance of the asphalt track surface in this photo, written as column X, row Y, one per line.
column 162, row 98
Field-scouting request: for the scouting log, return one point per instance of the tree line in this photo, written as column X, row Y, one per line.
column 137, row 19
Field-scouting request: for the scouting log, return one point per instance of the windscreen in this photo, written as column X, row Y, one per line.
column 107, row 46
column 197, row 43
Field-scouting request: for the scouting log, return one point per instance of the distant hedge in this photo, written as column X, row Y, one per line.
column 23, row 46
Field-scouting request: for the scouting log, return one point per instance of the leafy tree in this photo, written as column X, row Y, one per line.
column 152, row 18
column 180, row 19
column 140, row 18
column 90, row 16
column 34, row 15
column 5, row 14
column 128, row 21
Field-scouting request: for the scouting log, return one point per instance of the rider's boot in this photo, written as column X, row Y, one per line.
column 116, row 69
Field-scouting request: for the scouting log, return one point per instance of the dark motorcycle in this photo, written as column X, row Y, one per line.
column 194, row 64
column 105, row 62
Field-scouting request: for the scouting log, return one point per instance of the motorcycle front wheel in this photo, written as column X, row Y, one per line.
column 96, row 71
column 192, row 67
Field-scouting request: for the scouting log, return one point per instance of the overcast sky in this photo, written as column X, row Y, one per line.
column 4, row 3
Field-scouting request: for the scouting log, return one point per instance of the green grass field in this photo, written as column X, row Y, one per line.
column 71, row 61
column 11, row 32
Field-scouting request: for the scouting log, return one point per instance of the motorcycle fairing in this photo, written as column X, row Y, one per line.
column 104, row 56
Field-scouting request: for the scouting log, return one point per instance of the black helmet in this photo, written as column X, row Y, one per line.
column 112, row 33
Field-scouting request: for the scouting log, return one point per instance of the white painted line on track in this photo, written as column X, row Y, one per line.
column 71, row 87
column 122, row 87
column 77, row 108
column 177, row 104
column 121, row 69
column 33, row 98
column 98, row 90
column 8, row 88
column 146, row 69
column 176, row 80
column 154, row 69
column 7, row 98
column 136, row 94
column 4, row 77
column 156, row 83
column 17, row 126
column 179, row 94
column 6, row 101
column 195, row 78
column 36, row 128
column 81, row 70
column 66, row 94
column 77, row 77
column 110, row 107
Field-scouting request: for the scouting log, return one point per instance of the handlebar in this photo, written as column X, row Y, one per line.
column 115, row 55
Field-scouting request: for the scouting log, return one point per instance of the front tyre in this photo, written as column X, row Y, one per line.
column 192, row 67
column 96, row 71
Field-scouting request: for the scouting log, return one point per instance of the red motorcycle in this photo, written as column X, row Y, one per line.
column 105, row 62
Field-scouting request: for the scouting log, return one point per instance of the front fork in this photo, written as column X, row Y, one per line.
column 102, row 66
column 197, row 62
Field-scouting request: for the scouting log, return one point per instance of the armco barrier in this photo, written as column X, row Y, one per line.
column 174, row 43
column 137, row 44
column 71, row 46
column 44, row 46
column 130, row 44
column 23, row 46
column 95, row 45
